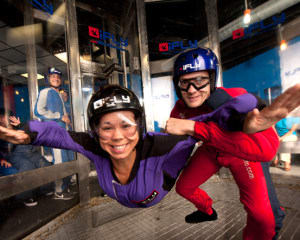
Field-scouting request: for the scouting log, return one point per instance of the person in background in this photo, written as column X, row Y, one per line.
column 195, row 77
column 65, row 97
column 286, row 129
column 6, row 167
column 24, row 158
column 50, row 107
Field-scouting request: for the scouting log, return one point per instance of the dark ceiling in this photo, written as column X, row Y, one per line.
column 183, row 20
column 167, row 21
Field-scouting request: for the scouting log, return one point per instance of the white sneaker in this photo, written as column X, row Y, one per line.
column 63, row 196
column 30, row 202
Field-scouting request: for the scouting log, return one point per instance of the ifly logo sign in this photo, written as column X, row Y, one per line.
column 42, row 5
column 175, row 47
column 101, row 37
column 258, row 28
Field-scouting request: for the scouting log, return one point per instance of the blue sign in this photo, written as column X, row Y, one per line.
column 176, row 47
column 42, row 5
column 257, row 28
column 102, row 36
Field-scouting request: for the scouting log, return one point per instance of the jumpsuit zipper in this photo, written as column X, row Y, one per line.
column 115, row 192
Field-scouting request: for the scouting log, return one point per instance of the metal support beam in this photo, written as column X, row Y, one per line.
column 145, row 68
column 31, row 58
column 213, row 33
column 75, row 79
column 123, row 56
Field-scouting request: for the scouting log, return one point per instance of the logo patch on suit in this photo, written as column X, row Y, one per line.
column 148, row 199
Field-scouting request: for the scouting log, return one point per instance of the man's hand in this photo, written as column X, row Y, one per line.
column 180, row 126
column 284, row 104
column 66, row 119
column 14, row 136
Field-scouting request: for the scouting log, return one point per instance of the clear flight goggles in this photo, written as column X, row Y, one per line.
column 123, row 127
column 198, row 83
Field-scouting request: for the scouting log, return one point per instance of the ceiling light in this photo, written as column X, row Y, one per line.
column 247, row 16
column 86, row 89
column 62, row 56
column 283, row 45
column 39, row 76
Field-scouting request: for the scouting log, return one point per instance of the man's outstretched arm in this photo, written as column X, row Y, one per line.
column 284, row 104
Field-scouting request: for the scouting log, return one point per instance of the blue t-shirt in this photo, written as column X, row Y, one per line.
column 285, row 124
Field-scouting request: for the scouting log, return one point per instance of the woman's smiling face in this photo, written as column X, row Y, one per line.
column 118, row 134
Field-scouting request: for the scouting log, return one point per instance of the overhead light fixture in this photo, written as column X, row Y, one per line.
column 283, row 43
column 62, row 56
column 247, row 14
column 86, row 89
column 39, row 76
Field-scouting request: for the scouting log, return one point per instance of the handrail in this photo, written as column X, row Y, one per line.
column 20, row 182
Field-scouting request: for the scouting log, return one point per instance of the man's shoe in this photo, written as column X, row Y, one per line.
column 49, row 193
column 30, row 202
column 63, row 196
column 198, row 216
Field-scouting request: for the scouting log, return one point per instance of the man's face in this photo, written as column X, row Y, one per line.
column 64, row 96
column 193, row 97
column 55, row 80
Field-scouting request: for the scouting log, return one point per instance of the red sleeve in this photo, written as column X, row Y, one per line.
column 234, row 92
column 258, row 147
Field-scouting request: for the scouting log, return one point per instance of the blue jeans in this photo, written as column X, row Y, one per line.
column 27, row 157
column 7, row 171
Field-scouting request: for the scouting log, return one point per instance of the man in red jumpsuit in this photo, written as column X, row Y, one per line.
column 195, row 75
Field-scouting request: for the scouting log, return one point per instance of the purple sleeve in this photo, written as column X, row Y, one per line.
column 222, row 115
column 50, row 134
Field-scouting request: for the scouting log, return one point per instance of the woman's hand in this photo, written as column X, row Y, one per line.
column 14, row 136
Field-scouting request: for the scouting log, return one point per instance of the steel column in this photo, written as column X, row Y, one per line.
column 31, row 58
column 213, row 33
column 145, row 68
column 76, row 86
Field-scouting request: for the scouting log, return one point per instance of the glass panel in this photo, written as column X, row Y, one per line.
column 109, row 52
column 174, row 26
column 31, row 43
